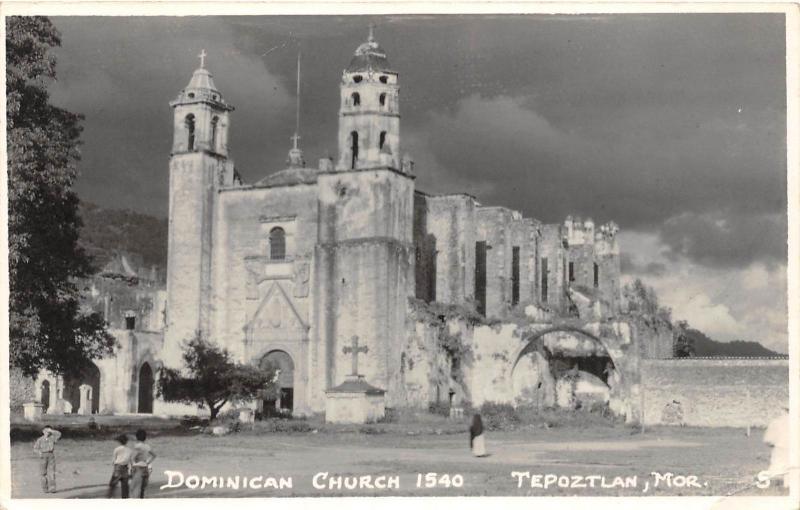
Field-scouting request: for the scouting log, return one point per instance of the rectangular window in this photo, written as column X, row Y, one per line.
column 545, row 274
column 480, row 276
column 596, row 275
column 130, row 322
column 572, row 271
column 514, row 275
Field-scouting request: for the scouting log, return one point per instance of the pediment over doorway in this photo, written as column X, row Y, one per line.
column 276, row 316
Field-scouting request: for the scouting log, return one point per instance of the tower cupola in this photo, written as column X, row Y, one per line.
column 201, row 115
column 369, row 113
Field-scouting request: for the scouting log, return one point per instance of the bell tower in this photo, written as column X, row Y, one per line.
column 369, row 114
column 199, row 165
column 364, row 253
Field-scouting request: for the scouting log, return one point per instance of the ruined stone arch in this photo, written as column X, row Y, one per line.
column 88, row 373
column 551, row 367
column 534, row 342
column 284, row 360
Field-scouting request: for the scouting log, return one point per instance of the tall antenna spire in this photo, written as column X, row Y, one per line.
column 297, row 112
column 371, row 37
column 295, row 154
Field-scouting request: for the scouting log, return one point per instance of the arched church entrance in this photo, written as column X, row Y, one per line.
column 45, row 401
column 565, row 367
column 145, row 389
column 284, row 403
column 87, row 375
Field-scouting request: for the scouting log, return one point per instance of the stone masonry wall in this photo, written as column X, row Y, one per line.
column 714, row 392
column 21, row 389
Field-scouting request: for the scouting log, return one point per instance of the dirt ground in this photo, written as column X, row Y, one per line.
column 569, row 461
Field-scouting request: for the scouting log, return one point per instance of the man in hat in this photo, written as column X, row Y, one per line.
column 45, row 447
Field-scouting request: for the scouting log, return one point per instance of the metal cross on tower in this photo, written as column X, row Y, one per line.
column 202, row 56
column 355, row 349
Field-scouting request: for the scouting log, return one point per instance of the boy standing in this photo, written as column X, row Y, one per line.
column 143, row 456
column 121, row 459
column 45, row 447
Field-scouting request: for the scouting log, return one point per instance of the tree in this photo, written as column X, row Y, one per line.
column 684, row 345
column 643, row 299
column 211, row 379
column 47, row 327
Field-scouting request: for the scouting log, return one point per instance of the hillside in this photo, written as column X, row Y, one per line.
column 106, row 231
column 705, row 346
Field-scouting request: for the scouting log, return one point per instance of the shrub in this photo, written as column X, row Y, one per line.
column 499, row 416
column 283, row 425
column 439, row 408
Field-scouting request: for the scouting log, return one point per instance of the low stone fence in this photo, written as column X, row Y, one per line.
column 714, row 392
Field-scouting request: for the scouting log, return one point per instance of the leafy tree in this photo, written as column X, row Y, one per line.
column 47, row 326
column 211, row 379
column 644, row 300
column 684, row 344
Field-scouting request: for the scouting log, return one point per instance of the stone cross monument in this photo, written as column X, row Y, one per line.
column 355, row 350
column 355, row 400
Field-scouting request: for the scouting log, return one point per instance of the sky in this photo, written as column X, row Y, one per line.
column 671, row 125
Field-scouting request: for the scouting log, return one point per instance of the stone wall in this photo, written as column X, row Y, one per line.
column 714, row 392
column 364, row 276
column 21, row 389
column 117, row 298
column 551, row 248
column 444, row 239
column 426, row 370
column 191, row 209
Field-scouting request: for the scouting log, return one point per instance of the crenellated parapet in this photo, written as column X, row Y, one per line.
column 605, row 239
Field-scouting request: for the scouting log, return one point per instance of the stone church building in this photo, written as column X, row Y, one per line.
column 292, row 268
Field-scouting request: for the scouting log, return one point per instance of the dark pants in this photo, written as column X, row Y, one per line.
column 120, row 475
column 47, row 470
column 139, row 480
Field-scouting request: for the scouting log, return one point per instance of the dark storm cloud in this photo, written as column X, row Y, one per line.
column 629, row 266
column 727, row 240
column 659, row 122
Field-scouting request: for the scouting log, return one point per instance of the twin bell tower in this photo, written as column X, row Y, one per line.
column 348, row 228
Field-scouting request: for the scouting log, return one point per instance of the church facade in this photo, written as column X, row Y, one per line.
column 293, row 268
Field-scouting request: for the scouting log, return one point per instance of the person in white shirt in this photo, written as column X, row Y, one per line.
column 143, row 456
column 120, row 460
column 777, row 436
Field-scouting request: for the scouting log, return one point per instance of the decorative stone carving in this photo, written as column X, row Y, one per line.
column 302, row 272
column 255, row 269
column 275, row 312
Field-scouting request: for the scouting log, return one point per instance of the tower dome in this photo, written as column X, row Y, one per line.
column 369, row 112
column 369, row 56
column 201, row 86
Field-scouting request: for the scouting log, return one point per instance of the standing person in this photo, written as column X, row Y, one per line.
column 476, row 440
column 777, row 436
column 143, row 456
column 120, row 461
column 45, row 447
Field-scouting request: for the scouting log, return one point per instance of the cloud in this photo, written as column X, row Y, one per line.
column 123, row 87
column 726, row 302
column 720, row 240
column 629, row 266
column 697, row 186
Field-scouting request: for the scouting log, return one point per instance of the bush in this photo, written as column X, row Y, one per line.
column 499, row 416
column 391, row 415
column 439, row 408
column 283, row 425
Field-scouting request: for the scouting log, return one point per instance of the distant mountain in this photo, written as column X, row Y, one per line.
column 108, row 231
column 705, row 346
